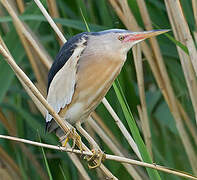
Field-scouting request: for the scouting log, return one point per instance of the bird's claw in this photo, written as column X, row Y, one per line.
column 72, row 134
column 99, row 156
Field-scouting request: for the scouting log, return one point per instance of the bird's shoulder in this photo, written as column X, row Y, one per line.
column 64, row 54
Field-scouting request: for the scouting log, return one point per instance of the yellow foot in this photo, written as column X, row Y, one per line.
column 72, row 134
column 97, row 156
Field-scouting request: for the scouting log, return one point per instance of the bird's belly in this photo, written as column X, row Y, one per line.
column 94, row 80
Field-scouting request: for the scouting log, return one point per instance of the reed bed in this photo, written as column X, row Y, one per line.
column 148, row 118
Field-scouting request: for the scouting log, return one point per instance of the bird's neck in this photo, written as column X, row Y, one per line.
column 105, row 51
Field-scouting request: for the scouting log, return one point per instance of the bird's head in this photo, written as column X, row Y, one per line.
column 119, row 40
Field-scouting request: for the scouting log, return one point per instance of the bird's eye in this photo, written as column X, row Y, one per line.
column 121, row 38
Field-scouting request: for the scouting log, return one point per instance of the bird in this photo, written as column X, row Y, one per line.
column 84, row 70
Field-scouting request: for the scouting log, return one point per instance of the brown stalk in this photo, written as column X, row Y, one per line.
column 4, row 25
column 190, row 126
column 14, row 170
column 185, row 59
column 33, row 58
column 140, row 79
column 28, row 34
column 53, row 11
column 21, row 6
column 194, row 6
column 187, row 38
column 186, row 65
column 122, row 128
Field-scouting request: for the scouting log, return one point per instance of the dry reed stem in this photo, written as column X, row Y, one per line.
column 21, row 6
column 181, row 21
column 5, row 26
column 194, row 6
column 109, row 133
column 53, row 10
column 122, row 128
column 186, row 64
column 78, row 164
column 28, row 34
column 64, row 125
column 108, row 157
column 190, row 126
column 140, row 80
column 187, row 68
column 167, row 92
column 6, row 124
column 107, row 105
column 50, row 20
column 28, row 48
column 31, row 56
column 132, row 171
column 161, row 73
column 180, row 29
column 38, row 104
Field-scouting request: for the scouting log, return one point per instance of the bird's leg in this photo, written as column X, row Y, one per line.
column 97, row 153
column 65, row 138
column 71, row 134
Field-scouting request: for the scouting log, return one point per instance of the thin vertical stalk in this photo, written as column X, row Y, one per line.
column 53, row 10
column 140, row 79
column 28, row 34
column 21, row 5
column 194, row 6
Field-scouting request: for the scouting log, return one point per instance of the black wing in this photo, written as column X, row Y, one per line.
column 64, row 54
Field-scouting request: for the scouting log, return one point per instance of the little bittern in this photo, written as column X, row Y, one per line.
column 84, row 70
